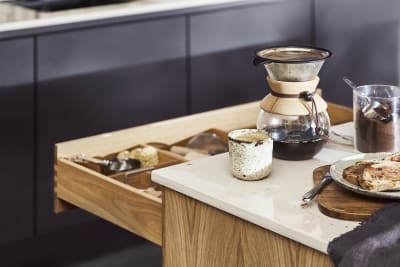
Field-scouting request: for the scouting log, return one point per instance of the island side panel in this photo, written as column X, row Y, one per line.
column 205, row 236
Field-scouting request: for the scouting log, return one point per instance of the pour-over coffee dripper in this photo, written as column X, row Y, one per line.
column 293, row 113
column 292, row 63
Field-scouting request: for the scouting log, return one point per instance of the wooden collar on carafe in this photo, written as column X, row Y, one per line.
column 298, row 99
column 292, row 89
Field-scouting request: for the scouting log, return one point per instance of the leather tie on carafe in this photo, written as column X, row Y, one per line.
column 307, row 96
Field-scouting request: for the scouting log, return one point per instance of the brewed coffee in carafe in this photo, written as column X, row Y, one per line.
column 293, row 113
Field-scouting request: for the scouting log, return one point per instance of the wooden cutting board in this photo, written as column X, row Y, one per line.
column 337, row 202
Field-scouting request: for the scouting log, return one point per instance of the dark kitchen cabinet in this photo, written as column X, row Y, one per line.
column 98, row 80
column 364, row 36
column 16, row 135
column 222, row 45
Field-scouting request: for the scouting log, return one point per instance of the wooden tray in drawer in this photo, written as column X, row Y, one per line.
column 219, row 133
column 114, row 198
column 182, row 146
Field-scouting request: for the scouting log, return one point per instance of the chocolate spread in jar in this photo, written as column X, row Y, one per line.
column 373, row 135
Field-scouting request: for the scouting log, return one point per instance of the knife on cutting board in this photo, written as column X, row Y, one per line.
column 310, row 195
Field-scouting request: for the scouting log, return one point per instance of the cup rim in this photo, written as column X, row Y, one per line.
column 231, row 136
column 358, row 92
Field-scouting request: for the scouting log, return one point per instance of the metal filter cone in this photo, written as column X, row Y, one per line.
column 292, row 63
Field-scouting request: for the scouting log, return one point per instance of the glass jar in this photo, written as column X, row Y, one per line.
column 376, row 110
column 296, row 137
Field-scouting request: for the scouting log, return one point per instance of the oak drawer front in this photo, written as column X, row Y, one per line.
column 131, row 201
column 109, row 199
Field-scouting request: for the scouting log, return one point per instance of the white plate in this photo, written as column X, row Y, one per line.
column 337, row 175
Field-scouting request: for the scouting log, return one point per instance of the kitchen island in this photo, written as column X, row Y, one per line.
column 214, row 219
column 207, row 217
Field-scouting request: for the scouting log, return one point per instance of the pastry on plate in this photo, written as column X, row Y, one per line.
column 353, row 173
column 394, row 157
column 382, row 176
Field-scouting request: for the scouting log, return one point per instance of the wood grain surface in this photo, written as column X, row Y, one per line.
column 112, row 200
column 196, row 234
column 339, row 114
column 341, row 203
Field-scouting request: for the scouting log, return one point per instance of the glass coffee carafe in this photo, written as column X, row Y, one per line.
column 293, row 113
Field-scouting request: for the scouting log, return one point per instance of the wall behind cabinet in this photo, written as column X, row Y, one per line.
column 103, row 79
column 364, row 36
column 222, row 46
column 16, row 140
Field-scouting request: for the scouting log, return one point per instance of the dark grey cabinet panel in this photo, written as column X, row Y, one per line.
column 222, row 46
column 95, row 50
column 99, row 80
column 16, row 135
column 364, row 36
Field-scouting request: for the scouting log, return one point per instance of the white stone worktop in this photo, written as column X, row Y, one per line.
column 14, row 18
column 273, row 203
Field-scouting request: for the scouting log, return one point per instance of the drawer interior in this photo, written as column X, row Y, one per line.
column 133, row 202
column 142, row 180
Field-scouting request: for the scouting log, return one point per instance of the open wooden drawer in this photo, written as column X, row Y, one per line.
column 118, row 198
column 126, row 205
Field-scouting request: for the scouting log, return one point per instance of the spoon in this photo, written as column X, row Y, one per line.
column 112, row 165
column 340, row 138
column 373, row 109
column 350, row 83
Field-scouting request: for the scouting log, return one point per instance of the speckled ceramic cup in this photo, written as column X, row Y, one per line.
column 250, row 154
